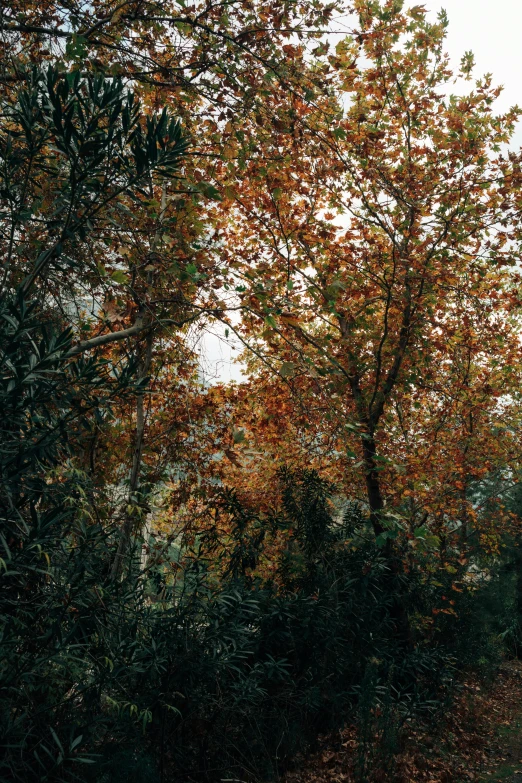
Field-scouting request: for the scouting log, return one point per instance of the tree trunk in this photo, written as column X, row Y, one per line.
column 397, row 609
column 373, row 487
column 131, row 522
column 134, row 479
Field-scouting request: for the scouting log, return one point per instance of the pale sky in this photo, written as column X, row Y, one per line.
column 492, row 29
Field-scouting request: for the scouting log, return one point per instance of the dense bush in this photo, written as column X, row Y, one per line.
column 263, row 634
column 232, row 672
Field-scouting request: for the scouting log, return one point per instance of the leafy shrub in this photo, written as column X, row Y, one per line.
column 239, row 667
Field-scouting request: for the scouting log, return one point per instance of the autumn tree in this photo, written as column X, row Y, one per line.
column 378, row 272
column 186, row 570
column 217, row 69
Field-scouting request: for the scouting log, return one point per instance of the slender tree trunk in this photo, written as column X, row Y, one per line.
column 397, row 609
column 145, row 535
column 373, row 487
column 131, row 518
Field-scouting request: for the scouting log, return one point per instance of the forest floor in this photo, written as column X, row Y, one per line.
column 480, row 740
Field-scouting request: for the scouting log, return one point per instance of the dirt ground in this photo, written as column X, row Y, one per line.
column 480, row 740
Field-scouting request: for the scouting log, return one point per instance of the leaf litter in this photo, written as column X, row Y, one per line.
column 480, row 739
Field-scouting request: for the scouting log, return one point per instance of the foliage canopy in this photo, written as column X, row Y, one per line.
column 217, row 573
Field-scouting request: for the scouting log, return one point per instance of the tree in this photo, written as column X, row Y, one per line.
column 71, row 150
column 155, row 270
column 184, row 569
column 378, row 265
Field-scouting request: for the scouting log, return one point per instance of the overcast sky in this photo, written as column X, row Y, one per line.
column 492, row 29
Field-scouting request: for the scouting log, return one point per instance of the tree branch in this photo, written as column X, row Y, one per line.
column 111, row 337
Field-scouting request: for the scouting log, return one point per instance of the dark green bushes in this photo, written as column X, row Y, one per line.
column 230, row 675
column 236, row 669
column 260, row 666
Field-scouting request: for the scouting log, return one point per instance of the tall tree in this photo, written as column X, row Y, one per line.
column 378, row 271
column 231, row 73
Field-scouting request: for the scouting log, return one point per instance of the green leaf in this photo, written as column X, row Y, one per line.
column 287, row 368
column 119, row 277
column 208, row 190
column 385, row 536
column 76, row 47
column 238, row 436
column 76, row 741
